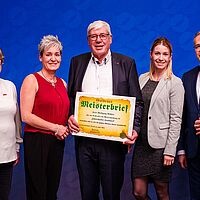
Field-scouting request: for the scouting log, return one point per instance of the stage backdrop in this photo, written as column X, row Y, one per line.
column 134, row 25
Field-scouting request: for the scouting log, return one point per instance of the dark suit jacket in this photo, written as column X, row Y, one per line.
column 188, row 140
column 125, row 80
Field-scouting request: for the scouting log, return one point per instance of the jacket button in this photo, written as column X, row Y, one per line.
column 149, row 117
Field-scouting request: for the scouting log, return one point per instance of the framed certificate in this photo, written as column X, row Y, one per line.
column 104, row 117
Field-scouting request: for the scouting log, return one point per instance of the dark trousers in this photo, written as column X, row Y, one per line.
column 43, row 156
column 100, row 161
column 5, row 179
column 194, row 175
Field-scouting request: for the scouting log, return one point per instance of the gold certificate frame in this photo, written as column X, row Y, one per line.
column 104, row 117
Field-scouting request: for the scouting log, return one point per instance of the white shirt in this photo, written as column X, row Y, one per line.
column 10, row 124
column 198, row 87
column 98, row 77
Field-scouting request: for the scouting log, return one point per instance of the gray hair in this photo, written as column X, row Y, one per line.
column 49, row 41
column 1, row 56
column 98, row 24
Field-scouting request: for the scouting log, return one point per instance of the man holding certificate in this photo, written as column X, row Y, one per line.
column 102, row 72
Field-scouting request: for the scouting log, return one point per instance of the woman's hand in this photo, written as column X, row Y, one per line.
column 62, row 132
column 168, row 160
column 17, row 160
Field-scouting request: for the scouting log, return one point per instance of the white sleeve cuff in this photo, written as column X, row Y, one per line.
column 181, row 152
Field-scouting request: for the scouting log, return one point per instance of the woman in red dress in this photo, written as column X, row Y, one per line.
column 44, row 109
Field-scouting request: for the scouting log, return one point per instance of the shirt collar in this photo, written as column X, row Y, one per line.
column 106, row 59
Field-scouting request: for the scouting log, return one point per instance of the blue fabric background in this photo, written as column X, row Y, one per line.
column 134, row 25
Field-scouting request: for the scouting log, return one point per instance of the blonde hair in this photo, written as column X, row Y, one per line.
column 98, row 24
column 165, row 42
column 1, row 56
column 49, row 41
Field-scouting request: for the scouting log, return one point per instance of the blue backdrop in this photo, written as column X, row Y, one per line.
column 134, row 25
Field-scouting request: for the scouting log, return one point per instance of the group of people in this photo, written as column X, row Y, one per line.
column 166, row 108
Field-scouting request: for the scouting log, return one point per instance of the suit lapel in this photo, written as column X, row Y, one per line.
column 193, row 82
column 115, row 71
column 158, row 89
column 144, row 80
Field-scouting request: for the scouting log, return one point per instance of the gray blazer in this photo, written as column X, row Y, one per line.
column 165, row 113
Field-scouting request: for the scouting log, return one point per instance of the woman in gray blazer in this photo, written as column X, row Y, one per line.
column 155, row 148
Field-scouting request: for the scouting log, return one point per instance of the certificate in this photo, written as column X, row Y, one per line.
column 104, row 117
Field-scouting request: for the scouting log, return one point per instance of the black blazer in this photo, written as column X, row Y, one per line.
column 188, row 140
column 125, row 80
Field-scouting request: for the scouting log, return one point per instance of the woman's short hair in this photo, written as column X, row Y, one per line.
column 165, row 42
column 1, row 56
column 49, row 41
column 98, row 24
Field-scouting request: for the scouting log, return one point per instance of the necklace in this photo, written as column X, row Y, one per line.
column 53, row 83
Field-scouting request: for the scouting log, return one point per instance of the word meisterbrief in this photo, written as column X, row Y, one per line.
column 104, row 106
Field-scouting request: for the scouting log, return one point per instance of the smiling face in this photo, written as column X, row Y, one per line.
column 160, row 57
column 101, row 45
column 51, row 58
column 197, row 46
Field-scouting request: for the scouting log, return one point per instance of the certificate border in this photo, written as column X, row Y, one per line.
column 132, row 101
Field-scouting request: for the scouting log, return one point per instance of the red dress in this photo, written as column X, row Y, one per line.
column 51, row 104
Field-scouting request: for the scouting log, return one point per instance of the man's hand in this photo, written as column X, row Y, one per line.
column 73, row 125
column 131, row 139
column 182, row 161
column 197, row 126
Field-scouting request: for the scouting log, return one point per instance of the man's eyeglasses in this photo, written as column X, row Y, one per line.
column 102, row 36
